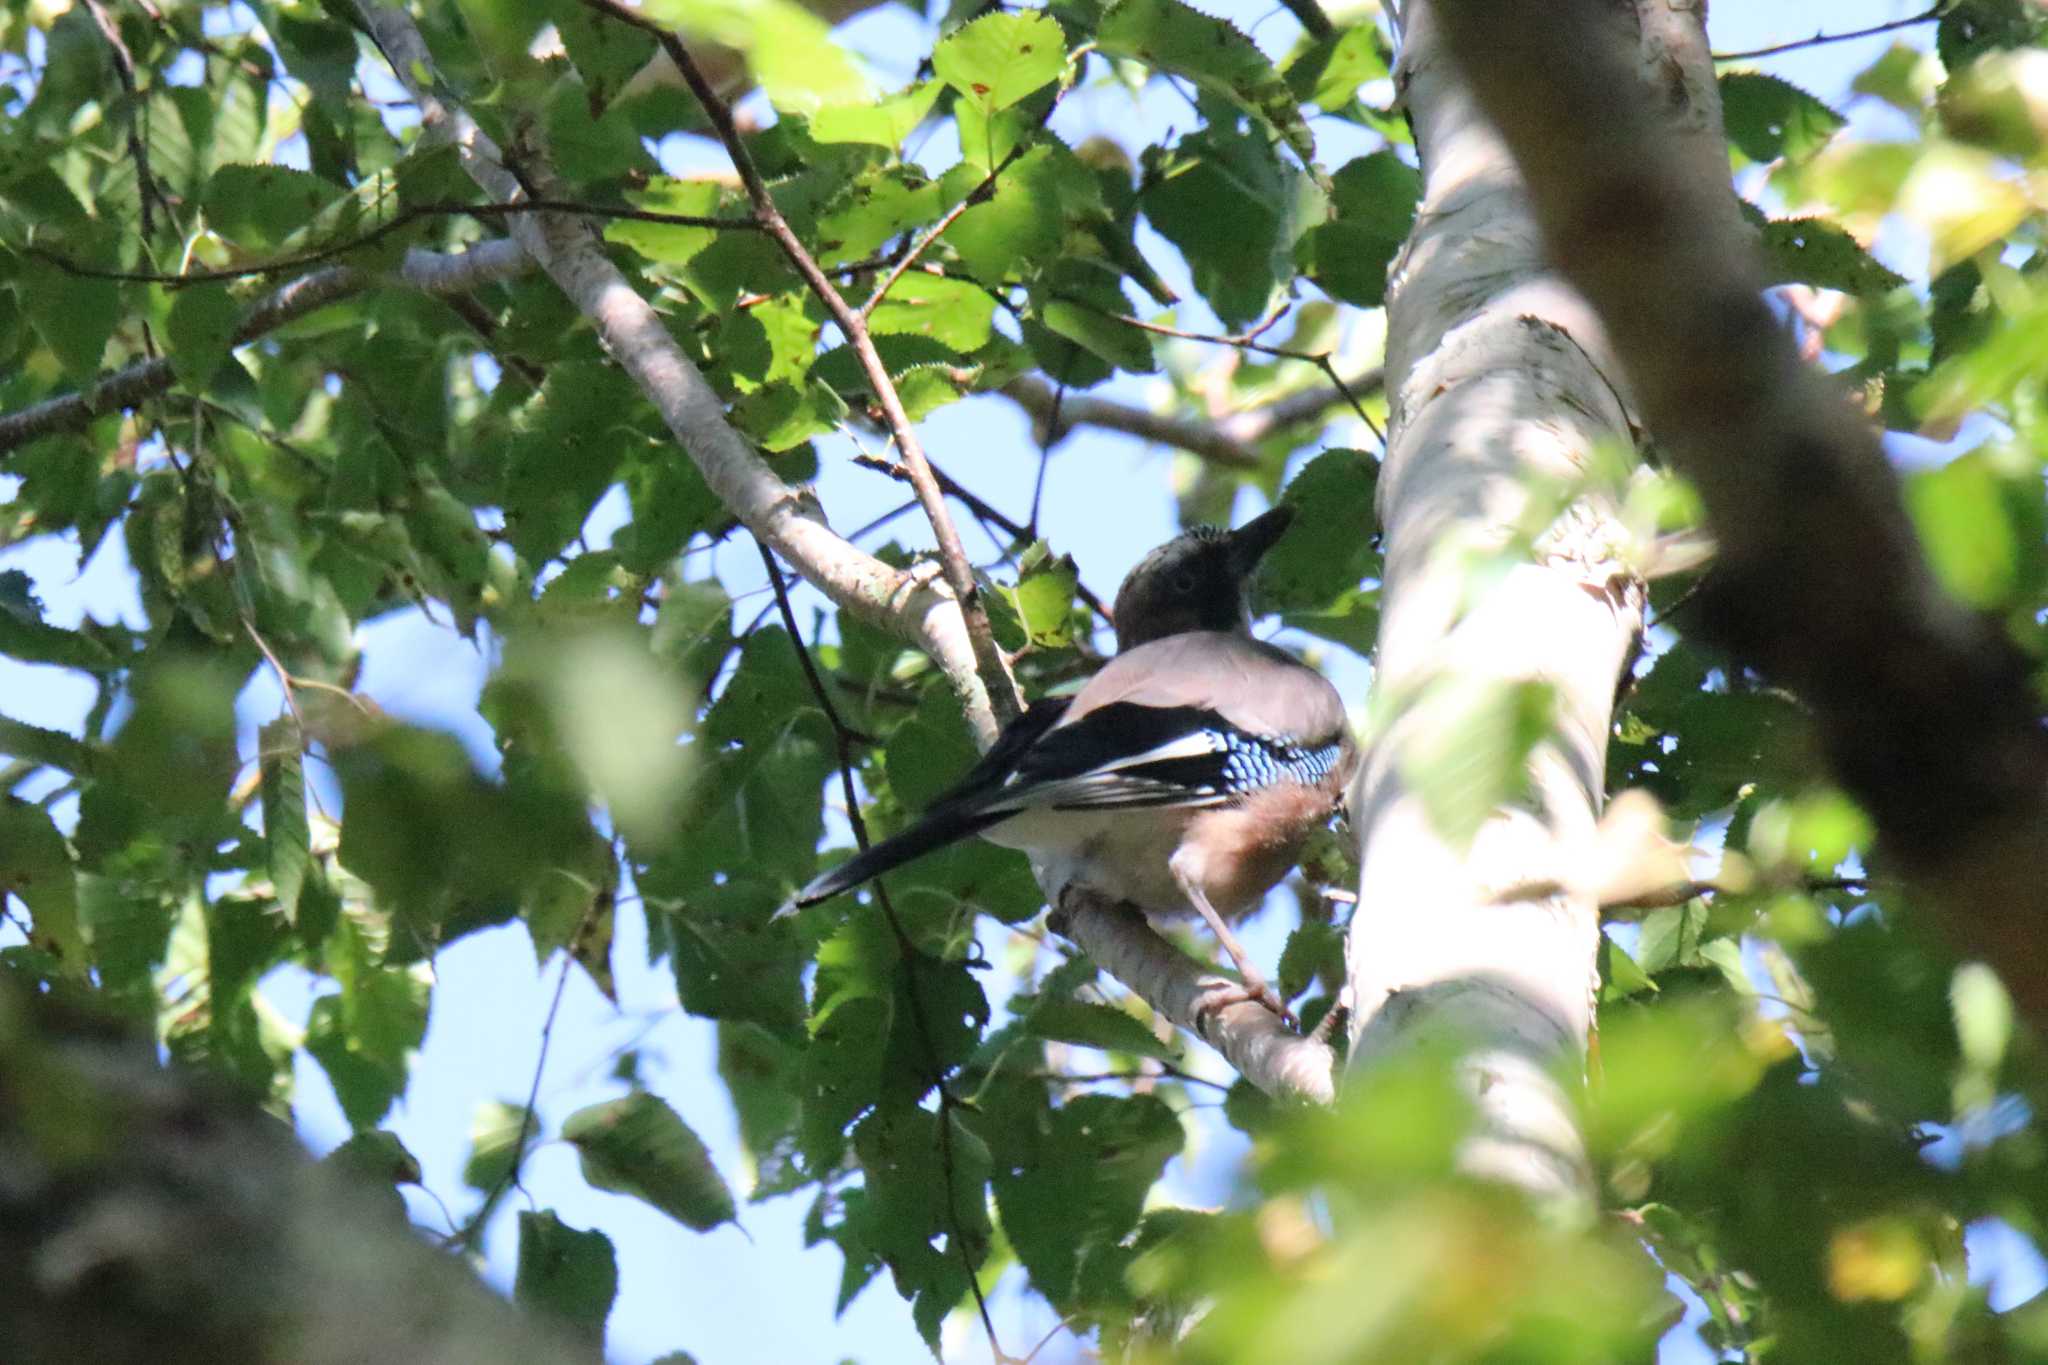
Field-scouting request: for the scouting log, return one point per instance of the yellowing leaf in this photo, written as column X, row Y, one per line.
column 1960, row 198
column 789, row 50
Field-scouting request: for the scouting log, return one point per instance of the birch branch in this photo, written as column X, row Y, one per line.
column 1251, row 1037
column 432, row 271
column 1228, row 441
column 999, row 687
column 1924, row 707
column 789, row 522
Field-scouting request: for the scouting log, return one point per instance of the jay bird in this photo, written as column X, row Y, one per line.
column 1186, row 775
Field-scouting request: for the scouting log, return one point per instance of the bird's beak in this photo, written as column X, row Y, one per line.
column 1249, row 542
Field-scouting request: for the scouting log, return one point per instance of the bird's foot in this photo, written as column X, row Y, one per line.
column 1220, row 994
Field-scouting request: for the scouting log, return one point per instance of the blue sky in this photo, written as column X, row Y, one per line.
column 756, row 1294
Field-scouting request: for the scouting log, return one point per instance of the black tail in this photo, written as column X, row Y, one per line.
column 940, row 826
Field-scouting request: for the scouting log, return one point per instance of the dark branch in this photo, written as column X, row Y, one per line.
column 1819, row 39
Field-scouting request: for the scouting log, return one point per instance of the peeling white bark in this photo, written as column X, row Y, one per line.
column 1251, row 1037
column 1922, row 704
column 1497, row 381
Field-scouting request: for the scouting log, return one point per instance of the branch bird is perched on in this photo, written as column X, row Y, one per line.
column 1186, row 775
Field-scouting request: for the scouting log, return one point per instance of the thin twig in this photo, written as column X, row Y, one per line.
column 1246, row 341
column 1003, row 698
column 983, row 510
column 404, row 218
column 1231, row 441
column 1166, row 1070
column 132, row 385
column 465, row 1235
column 1046, row 1340
column 843, row 738
column 1819, row 38
column 147, row 191
column 1052, row 423
column 1310, row 16
column 979, row 194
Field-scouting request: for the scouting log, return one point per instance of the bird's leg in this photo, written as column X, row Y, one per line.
column 1256, row 987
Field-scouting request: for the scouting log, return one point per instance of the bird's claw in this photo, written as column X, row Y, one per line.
column 1219, row 995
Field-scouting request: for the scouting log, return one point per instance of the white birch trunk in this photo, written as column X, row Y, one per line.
column 1498, row 382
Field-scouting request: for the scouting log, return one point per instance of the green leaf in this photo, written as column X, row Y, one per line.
column 1044, row 596
column 36, row 868
column 51, row 748
column 493, row 1145
column 954, row 313
column 1470, row 752
column 1314, row 951
column 258, row 207
column 1000, row 58
column 286, row 834
column 639, row 1146
column 930, row 751
column 1621, row 976
column 566, row 1274
column 672, row 244
column 788, row 49
column 1767, row 118
column 923, row 1183
column 1670, row 938
column 1100, row 334
column 1329, row 547
column 763, row 1075
column 1328, row 71
column 25, row 636
column 884, row 123
column 74, row 314
column 1098, row 1026
column 378, row 1155
column 1169, row 36
column 1976, row 526
column 1017, row 227
column 199, row 329
column 365, row 1037
column 606, row 54
column 1970, row 28
column 1820, row 253
column 1228, row 202
column 1075, row 1189
column 1373, row 203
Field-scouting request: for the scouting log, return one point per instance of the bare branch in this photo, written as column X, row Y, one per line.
column 1229, row 441
column 434, row 272
column 987, row 512
column 1819, row 38
column 404, row 218
column 1251, row 1037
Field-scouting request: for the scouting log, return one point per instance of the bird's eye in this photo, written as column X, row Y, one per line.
column 1184, row 584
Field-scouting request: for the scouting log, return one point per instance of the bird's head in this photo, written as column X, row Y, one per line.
column 1196, row 581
